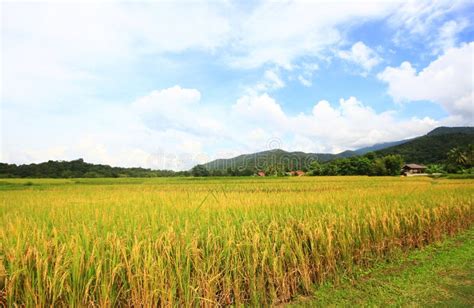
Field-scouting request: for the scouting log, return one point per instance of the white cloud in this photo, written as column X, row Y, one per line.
column 349, row 125
column 362, row 55
column 426, row 21
column 64, row 50
column 280, row 32
column 304, row 81
column 167, row 98
column 352, row 125
column 447, row 81
column 175, row 108
column 80, row 31
column 448, row 34
column 61, row 51
column 276, row 81
column 259, row 109
column 271, row 81
column 307, row 70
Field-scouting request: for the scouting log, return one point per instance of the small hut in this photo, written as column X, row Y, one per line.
column 413, row 169
column 297, row 173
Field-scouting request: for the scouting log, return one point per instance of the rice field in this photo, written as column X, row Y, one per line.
column 207, row 242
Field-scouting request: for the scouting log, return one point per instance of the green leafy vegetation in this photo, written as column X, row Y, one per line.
column 199, row 170
column 368, row 164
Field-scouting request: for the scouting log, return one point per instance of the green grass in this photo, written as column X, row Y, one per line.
column 461, row 176
column 440, row 275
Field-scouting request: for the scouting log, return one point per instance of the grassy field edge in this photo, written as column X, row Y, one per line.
column 440, row 274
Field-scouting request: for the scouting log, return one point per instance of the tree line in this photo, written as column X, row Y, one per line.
column 368, row 164
column 79, row 169
column 458, row 160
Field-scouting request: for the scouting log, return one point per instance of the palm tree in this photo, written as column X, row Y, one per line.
column 470, row 155
column 457, row 156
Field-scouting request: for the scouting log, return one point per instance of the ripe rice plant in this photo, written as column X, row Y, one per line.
column 189, row 242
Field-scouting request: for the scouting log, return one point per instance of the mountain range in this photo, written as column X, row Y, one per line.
column 426, row 149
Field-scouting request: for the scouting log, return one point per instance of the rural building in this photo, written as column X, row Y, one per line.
column 412, row 169
column 297, row 173
column 261, row 173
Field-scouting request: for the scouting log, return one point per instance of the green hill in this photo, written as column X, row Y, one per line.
column 380, row 146
column 434, row 146
column 283, row 159
column 430, row 148
column 443, row 130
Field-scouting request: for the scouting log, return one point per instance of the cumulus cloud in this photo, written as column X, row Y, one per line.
column 351, row 124
column 166, row 98
column 447, row 81
column 259, row 109
column 328, row 128
column 174, row 108
column 361, row 55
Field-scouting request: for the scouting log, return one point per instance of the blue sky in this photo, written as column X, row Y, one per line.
column 170, row 84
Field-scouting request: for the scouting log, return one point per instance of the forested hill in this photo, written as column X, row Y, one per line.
column 76, row 169
column 443, row 130
column 278, row 158
column 434, row 146
column 430, row 148
column 380, row 146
